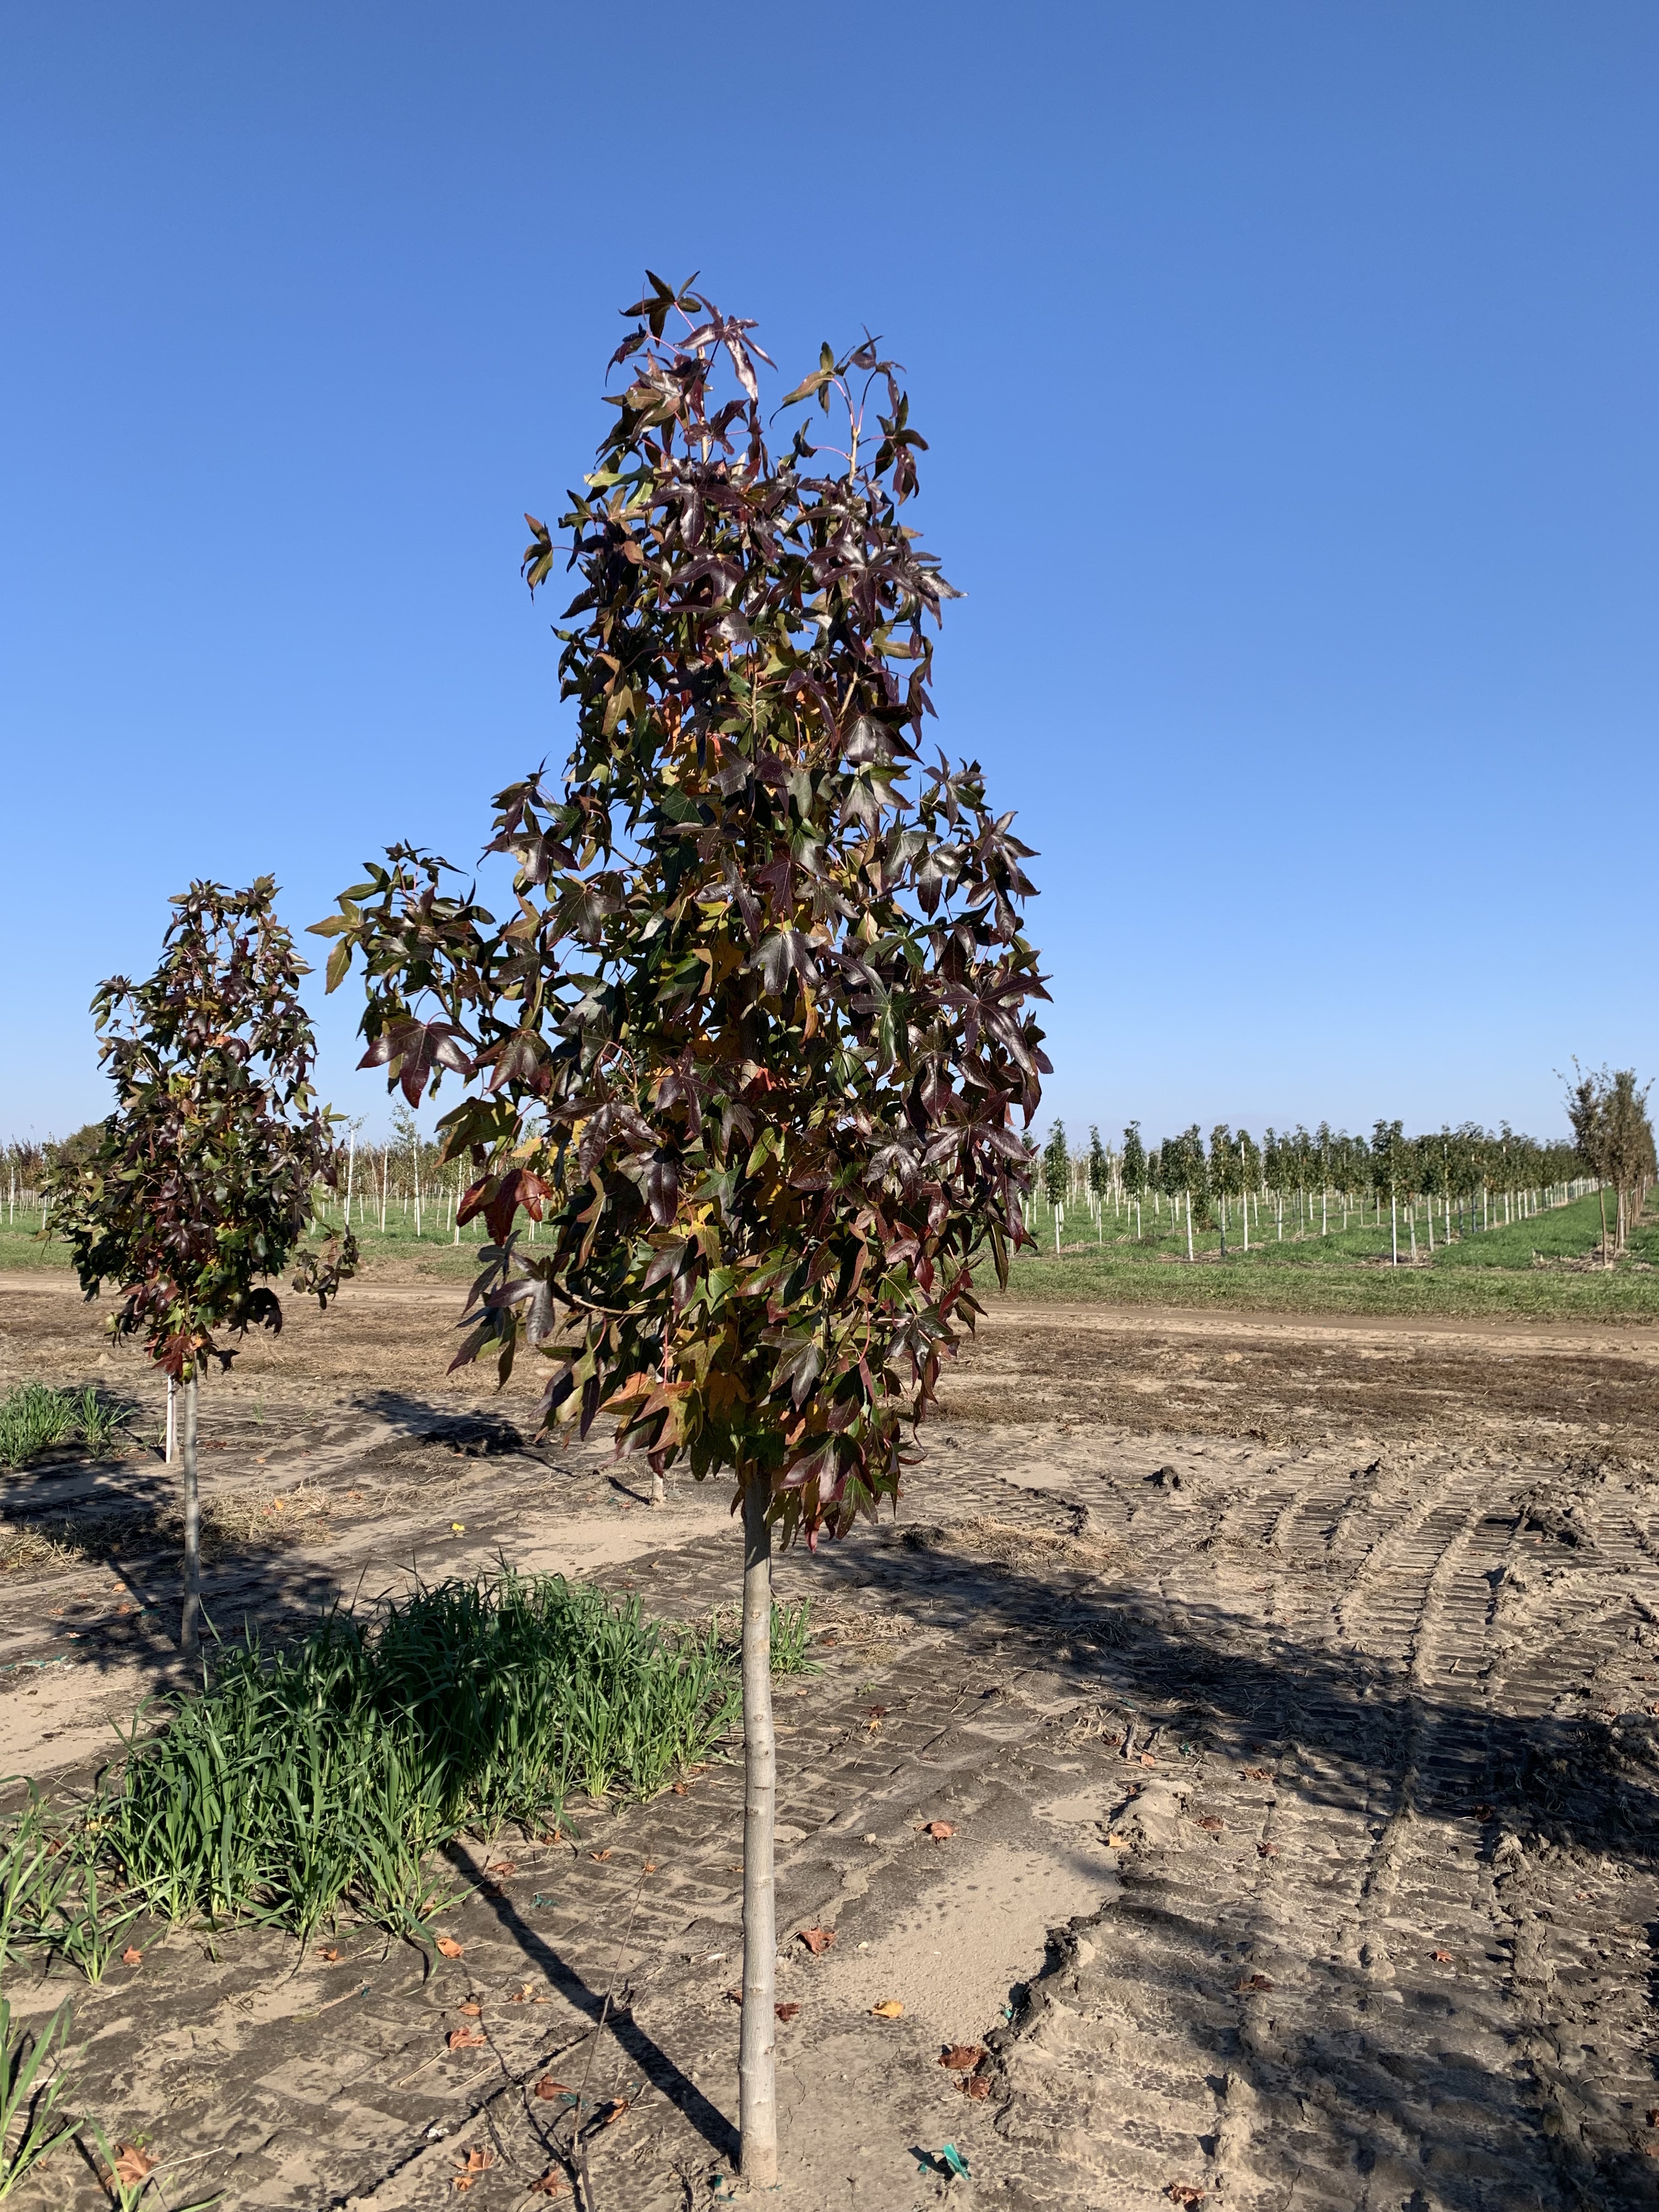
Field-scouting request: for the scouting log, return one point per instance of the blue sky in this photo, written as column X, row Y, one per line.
column 1289, row 374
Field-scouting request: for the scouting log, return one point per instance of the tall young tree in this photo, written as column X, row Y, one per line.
column 1132, row 1173
column 198, row 1188
column 1225, row 1177
column 751, row 1042
column 1389, row 1159
column 1056, row 1174
column 1249, row 1178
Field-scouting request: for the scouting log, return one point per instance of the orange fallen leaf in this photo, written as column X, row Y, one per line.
column 132, row 1957
column 1117, row 1842
column 941, row 1830
column 1441, row 1958
column 552, row 2184
column 787, row 2011
column 650, row 1867
column 976, row 2086
column 329, row 1955
column 132, row 2163
column 478, row 2160
column 473, row 2010
column 679, row 1789
column 1146, row 1759
column 962, row 2057
column 1258, row 1774
column 817, row 1940
column 501, row 1866
column 889, row 2009
column 1182, row 2192
column 611, row 2113
column 449, row 1947
column 1249, row 1983
column 1211, row 1825
column 466, row 2038
column 600, row 1856
column 547, row 2089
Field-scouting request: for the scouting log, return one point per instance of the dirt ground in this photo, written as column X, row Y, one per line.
column 1289, row 1690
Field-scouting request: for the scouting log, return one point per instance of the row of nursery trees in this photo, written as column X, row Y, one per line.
column 1452, row 1182
column 750, row 1049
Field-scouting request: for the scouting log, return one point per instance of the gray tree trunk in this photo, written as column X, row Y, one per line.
column 757, row 2108
column 657, row 1492
column 187, row 1632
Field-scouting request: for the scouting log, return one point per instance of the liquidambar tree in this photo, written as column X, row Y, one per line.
column 197, row 1188
column 750, row 1044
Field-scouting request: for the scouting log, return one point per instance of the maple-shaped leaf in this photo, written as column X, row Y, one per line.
column 547, row 2089
column 941, row 1830
column 466, row 2038
column 977, row 2085
column 449, row 1947
column 786, row 2012
column 962, row 2057
column 817, row 1940
column 132, row 1956
column 132, row 2164
column 888, row 2009
column 415, row 1049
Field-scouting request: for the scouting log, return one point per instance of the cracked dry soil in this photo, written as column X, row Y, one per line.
column 1288, row 1690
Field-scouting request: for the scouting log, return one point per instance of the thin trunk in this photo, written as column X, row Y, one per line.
column 1324, row 1213
column 757, row 2109
column 188, row 1635
column 173, row 1419
column 1245, row 1210
column 1428, row 1216
column 1601, row 1201
column 657, row 1491
column 351, row 1162
column 1411, row 1224
column 1394, row 1225
column 1189, row 1224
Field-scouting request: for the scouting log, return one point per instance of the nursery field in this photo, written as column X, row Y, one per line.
column 1255, row 1708
column 1542, row 1269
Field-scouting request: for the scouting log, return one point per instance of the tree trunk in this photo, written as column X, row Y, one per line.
column 657, row 1491
column 173, row 1419
column 757, row 2109
column 1189, row 1224
column 187, row 1636
column 1394, row 1225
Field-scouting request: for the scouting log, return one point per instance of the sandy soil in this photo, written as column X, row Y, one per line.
column 1288, row 1690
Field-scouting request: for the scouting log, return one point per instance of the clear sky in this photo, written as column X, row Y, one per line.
column 1289, row 374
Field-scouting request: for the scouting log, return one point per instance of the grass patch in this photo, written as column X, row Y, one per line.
column 34, row 1418
column 321, row 1778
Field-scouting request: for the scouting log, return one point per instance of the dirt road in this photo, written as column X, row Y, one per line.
column 1287, row 1692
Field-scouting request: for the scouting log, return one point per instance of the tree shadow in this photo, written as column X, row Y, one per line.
column 646, row 2055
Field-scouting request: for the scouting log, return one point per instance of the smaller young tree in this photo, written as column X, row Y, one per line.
column 1056, row 1166
column 198, row 1186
